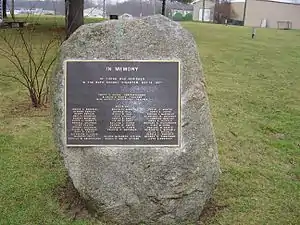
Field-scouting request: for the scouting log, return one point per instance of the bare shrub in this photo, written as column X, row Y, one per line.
column 32, row 53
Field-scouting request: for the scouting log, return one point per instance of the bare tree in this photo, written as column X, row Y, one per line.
column 222, row 11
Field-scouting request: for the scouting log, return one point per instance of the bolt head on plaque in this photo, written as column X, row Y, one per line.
column 132, row 122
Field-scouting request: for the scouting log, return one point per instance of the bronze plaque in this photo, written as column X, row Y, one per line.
column 122, row 103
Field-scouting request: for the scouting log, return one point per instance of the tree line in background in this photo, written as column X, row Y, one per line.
column 222, row 11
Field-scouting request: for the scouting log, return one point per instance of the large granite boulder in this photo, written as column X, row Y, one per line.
column 149, row 185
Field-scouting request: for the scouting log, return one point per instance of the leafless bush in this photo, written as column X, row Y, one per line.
column 32, row 54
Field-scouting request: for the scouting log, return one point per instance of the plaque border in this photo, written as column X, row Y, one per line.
column 121, row 60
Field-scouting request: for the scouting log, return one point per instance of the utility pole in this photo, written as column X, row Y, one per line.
column 104, row 9
column 55, row 5
column 203, row 8
column 12, row 11
column 154, row 7
column 244, row 15
column 141, row 8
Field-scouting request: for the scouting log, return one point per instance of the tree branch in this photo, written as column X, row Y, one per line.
column 15, row 78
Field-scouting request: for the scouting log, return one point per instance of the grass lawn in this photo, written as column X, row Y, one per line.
column 254, row 92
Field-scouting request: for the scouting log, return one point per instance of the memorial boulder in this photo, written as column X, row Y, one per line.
column 131, row 120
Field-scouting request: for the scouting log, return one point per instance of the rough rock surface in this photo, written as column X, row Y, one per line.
column 143, row 185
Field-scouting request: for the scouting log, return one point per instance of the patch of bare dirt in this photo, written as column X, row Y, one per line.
column 210, row 210
column 25, row 109
column 70, row 201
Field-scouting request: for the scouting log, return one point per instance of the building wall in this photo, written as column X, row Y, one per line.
column 256, row 11
column 237, row 11
column 198, row 5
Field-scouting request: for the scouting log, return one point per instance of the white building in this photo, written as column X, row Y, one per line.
column 93, row 12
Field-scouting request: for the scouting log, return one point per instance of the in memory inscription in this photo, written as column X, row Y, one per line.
column 122, row 103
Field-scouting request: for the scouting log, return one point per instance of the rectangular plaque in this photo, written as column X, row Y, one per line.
column 117, row 103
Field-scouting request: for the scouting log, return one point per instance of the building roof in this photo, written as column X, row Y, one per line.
column 291, row 2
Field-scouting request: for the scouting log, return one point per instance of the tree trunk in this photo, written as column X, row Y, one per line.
column 74, row 15
column 4, row 3
column 34, row 99
column 163, row 10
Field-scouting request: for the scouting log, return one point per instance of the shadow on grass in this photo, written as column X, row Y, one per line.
column 70, row 201
column 211, row 209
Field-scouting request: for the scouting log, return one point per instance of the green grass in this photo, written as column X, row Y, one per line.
column 254, row 92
